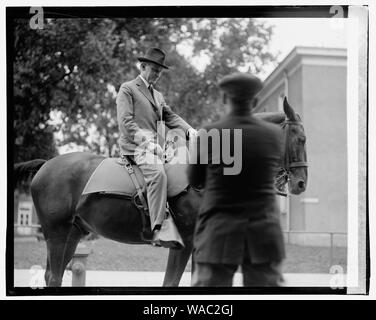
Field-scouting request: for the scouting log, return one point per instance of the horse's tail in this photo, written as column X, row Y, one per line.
column 26, row 170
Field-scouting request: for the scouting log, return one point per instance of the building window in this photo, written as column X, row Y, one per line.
column 25, row 211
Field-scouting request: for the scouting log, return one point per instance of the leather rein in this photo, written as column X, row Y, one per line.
column 285, row 170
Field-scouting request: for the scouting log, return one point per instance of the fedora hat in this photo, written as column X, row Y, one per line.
column 240, row 86
column 155, row 55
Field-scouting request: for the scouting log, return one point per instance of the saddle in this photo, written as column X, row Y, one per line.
column 111, row 177
column 119, row 176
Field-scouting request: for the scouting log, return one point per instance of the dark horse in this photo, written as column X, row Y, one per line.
column 66, row 215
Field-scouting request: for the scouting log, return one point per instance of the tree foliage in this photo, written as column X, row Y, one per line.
column 66, row 75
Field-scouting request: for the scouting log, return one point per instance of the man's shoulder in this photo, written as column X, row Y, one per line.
column 229, row 122
column 243, row 122
column 267, row 131
column 128, row 84
column 269, row 126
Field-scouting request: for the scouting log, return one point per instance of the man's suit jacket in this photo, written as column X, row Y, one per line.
column 137, row 111
column 239, row 214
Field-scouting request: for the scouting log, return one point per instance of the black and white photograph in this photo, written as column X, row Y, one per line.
column 187, row 150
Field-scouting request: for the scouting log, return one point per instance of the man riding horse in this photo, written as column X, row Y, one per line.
column 141, row 110
column 66, row 213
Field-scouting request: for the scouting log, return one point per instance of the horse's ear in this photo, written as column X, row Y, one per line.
column 289, row 111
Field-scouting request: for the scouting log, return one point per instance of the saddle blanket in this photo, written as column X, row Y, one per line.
column 112, row 177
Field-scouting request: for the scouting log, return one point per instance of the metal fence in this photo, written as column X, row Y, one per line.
column 330, row 235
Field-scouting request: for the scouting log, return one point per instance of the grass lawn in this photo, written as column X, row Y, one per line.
column 114, row 256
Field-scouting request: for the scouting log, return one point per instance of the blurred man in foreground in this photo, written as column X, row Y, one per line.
column 238, row 221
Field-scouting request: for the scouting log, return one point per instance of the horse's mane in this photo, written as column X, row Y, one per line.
column 273, row 117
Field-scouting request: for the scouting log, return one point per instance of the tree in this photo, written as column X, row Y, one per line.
column 230, row 45
column 66, row 75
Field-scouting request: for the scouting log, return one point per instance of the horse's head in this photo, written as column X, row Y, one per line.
column 295, row 157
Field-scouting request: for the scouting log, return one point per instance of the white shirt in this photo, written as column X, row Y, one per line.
column 146, row 83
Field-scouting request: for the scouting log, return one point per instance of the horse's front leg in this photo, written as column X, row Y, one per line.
column 177, row 261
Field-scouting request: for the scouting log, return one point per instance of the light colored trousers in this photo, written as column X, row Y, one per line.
column 155, row 177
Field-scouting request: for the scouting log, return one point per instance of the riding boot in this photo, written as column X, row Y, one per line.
column 167, row 235
column 155, row 233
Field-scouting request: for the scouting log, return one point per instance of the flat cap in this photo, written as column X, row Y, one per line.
column 240, row 86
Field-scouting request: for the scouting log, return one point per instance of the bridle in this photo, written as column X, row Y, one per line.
column 283, row 175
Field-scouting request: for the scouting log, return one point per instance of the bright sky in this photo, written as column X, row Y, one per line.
column 291, row 32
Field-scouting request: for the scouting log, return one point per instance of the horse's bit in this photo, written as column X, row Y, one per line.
column 284, row 172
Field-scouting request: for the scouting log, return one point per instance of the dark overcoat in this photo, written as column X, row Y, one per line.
column 239, row 214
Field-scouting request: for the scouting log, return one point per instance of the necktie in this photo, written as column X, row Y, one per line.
column 151, row 91
column 152, row 95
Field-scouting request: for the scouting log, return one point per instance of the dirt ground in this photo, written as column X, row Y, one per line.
column 115, row 256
